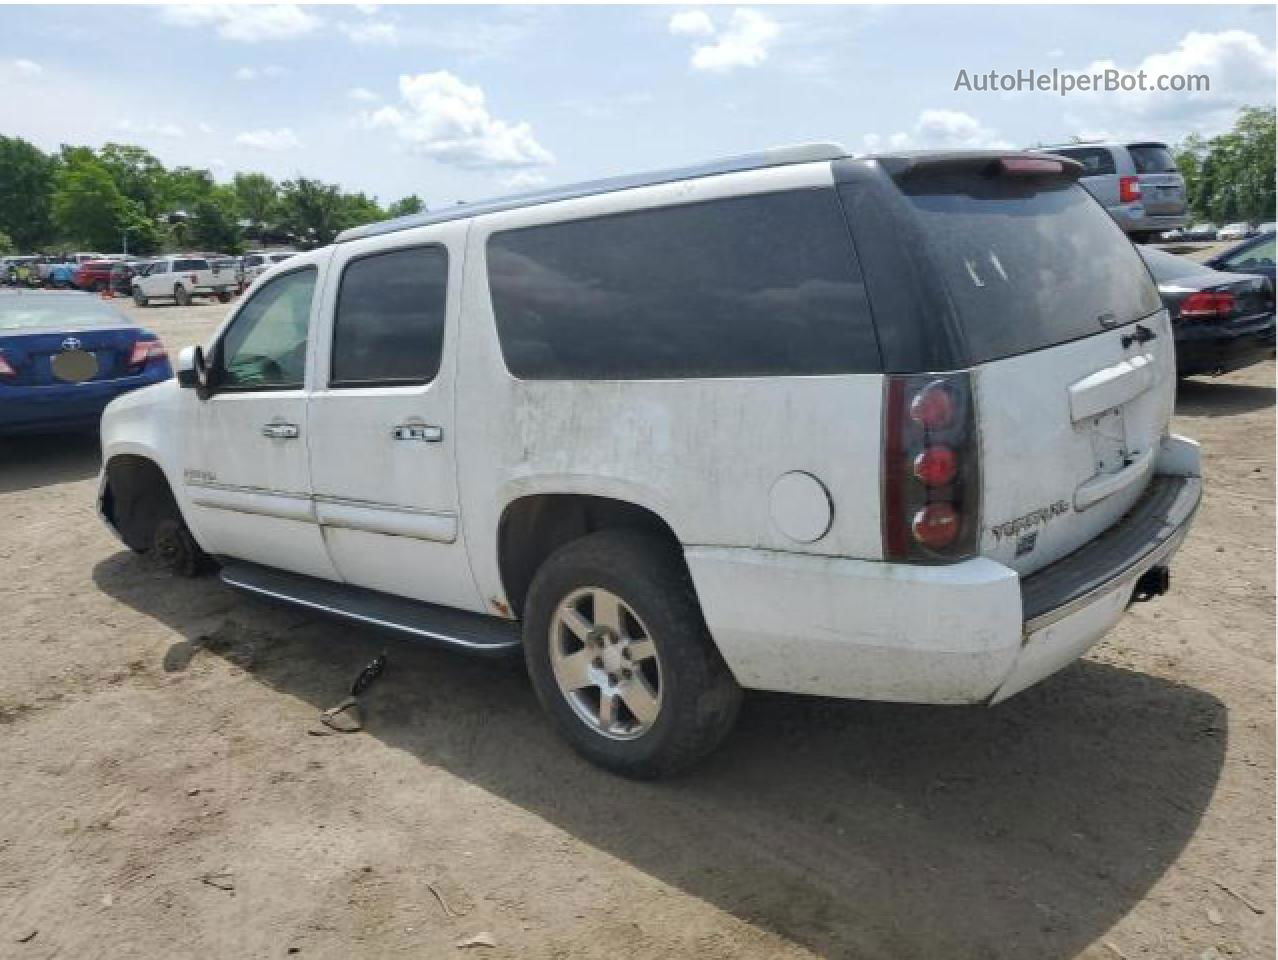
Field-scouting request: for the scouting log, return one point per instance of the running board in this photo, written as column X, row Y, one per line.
column 444, row 626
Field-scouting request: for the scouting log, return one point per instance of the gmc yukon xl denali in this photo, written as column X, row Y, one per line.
column 890, row 427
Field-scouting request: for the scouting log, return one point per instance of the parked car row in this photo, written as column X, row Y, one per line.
column 1209, row 231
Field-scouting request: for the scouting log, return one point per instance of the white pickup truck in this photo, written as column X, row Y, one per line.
column 182, row 278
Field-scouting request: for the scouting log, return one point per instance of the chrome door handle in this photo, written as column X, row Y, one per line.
column 281, row 431
column 418, row 431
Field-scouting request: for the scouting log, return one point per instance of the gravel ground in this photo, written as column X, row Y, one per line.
column 162, row 795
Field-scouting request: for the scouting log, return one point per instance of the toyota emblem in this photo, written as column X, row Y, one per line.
column 71, row 343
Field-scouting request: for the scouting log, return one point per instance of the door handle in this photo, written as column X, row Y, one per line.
column 281, row 431
column 418, row 431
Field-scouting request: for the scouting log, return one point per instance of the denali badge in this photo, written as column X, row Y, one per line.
column 1039, row 517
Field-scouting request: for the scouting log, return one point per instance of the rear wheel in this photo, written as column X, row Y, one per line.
column 99, row 286
column 223, row 298
column 139, row 297
column 181, row 295
column 620, row 657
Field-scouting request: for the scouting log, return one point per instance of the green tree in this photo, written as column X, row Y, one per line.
column 1231, row 177
column 6, row 244
column 140, row 229
column 183, row 188
column 137, row 173
column 88, row 208
column 314, row 212
column 26, row 193
column 213, row 223
column 357, row 209
column 256, row 198
column 406, row 206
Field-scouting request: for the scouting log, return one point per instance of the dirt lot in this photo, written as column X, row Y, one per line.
column 161, row 796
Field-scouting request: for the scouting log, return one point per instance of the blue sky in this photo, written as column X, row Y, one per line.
column 468, row 102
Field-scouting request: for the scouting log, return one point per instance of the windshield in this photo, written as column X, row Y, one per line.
column 38, row 311
column 1028, row 265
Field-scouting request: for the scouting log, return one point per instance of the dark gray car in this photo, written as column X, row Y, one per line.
column 1138, row 183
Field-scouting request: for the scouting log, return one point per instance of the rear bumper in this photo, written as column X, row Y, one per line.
column 1209, row 350
column 1136, row 219
column 965, row 633
column 67, row 406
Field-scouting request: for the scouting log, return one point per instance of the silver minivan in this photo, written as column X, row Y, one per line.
column 1138, row 183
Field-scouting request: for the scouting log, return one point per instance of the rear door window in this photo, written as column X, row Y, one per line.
column 1152, row 158
column 763, row 285
column 1028, row 265
column 389, row 325
column 1096, row 161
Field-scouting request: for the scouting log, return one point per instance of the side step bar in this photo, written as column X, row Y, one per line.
column 470, row 632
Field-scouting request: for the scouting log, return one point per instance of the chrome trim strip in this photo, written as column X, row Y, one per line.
column 362, row 618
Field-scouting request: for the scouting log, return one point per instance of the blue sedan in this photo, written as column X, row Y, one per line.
column 65, row 356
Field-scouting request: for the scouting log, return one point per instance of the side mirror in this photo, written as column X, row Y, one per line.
column 193, row 369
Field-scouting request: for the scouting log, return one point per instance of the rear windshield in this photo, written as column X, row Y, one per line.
column 1167, row 267
column 1029, row 266
column 1152, row 158
column 19, row 312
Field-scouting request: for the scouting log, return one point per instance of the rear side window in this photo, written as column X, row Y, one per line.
column 158, row 268
column 389, row 326
column 1152, row 158
column 1028, row 265
column 761, row 285
column 1096, row 161
column 180, row 265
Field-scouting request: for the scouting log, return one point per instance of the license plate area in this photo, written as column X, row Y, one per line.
column 1109, row 442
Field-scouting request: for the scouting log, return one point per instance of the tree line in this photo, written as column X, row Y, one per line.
column 1231, row 177
column 120, row 196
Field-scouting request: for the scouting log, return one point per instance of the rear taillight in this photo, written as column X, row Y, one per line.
column 1128, row 189
column 144, row 351
column 931, row 475
column 1207, row 305
column 6, row 368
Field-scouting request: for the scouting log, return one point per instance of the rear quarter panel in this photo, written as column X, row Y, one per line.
column 703, row 454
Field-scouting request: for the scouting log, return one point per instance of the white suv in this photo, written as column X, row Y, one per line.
column 887, row 428
column 182, row 278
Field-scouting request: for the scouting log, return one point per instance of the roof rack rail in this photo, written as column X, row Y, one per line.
column 770, row 157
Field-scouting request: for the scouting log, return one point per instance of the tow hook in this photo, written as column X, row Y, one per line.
column 1154, row 582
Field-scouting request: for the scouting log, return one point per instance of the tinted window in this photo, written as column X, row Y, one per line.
column 180, row 265
column 1257, row 255
column 265, row 348
column 389, row 325
column 750, row 286
column 1028, row 265
column 1096, row 161
column 1152, row 158
column 1167, row 267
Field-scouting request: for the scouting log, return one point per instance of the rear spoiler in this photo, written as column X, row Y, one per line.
column 986, row 163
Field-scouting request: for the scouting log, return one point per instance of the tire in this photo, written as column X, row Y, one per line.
column 98, row 286
column 223, row 298
column 174, row 547
column 139, row 297
column 696, row 698
column 181, row 295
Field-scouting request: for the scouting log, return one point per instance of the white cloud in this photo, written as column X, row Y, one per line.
column 367, row 9
column 939, row 129
column 743, row 42
column 26, row 68
column 150, row 128
column 270, row 71
column 362, row 95
column 447, row 120
column 247, row 24
column 205, row 128
column 1056, row 53
column 376, row 33
column 270, row 140
column 691, row 23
